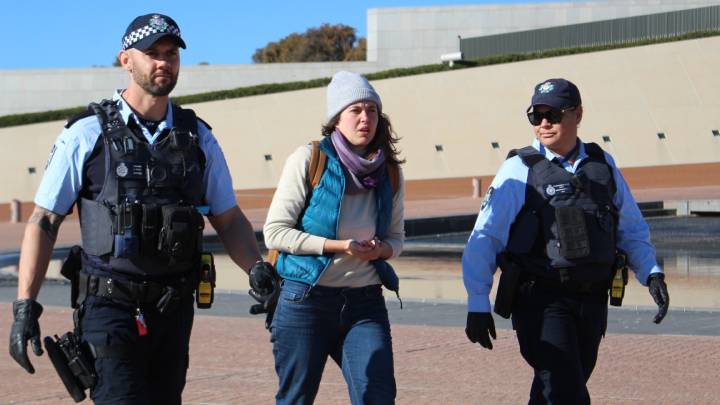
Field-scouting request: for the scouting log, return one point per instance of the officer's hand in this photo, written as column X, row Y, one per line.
column 480, row 326
column 25, row 326
column 659, row 292
column 264, row 287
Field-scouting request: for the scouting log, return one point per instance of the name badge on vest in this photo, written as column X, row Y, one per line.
column 552, row 190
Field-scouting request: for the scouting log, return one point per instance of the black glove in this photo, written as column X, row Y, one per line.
column 25, row 326
column 658, row 290
column 264, row 287
column 480, row 326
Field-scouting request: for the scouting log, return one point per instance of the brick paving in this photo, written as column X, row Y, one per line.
column 231, row 363
column 231, row 359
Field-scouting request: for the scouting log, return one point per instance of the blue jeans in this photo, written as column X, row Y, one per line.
column 348, row 324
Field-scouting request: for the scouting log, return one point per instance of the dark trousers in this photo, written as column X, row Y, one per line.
column 138, row 370
column 348, row 324
column 559, row 333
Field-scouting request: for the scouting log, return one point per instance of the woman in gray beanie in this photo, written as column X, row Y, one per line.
column 334, row 238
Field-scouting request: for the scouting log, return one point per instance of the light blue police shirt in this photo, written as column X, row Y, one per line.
column 504, row 201
column 62, row 181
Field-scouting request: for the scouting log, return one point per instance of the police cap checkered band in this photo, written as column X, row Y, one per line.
column 147, row 29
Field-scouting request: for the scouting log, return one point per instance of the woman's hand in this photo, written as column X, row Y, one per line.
column 364, row 249
column 369, row 249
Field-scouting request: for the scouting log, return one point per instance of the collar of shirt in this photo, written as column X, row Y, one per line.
column 549, row 155
column 127, row 113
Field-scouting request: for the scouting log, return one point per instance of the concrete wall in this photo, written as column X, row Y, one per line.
column 417, row 36
column 50, row 89
column 629, row 95
column 396, row 37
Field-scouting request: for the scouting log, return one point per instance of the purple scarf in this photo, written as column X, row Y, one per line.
column 365, row 174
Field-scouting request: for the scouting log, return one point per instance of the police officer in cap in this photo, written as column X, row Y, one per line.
column 556, row 216
column 141, row 171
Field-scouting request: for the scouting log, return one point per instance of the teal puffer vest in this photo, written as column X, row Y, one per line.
column 321, row 218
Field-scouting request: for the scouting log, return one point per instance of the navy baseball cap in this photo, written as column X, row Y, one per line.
column 147, row 29
column 556, row 93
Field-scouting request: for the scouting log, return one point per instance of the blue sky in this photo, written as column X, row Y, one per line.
column 84, row 33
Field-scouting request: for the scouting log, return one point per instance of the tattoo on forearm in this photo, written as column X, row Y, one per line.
column 48, row 221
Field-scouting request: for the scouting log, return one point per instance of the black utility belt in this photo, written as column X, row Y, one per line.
column 135, row 292
column 574, row 286
column 149, row 230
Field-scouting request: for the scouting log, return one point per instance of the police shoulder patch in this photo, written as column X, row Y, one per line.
column 487, row 198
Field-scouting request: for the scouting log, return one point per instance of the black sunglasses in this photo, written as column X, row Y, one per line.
column 553, row 115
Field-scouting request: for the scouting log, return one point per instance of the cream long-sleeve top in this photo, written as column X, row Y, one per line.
column 358, row 214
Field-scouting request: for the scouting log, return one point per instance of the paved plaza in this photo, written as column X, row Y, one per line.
column 677, row 362
column 231, row 363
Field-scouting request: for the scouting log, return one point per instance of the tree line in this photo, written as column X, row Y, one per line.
column 326, row 43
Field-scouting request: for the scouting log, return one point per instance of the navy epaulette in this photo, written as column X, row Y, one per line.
column 77, row 117
column 204, row 123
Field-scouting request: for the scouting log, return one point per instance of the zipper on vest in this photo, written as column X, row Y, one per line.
column 337, row 228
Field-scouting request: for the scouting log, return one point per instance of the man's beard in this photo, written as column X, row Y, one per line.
column 157, row 90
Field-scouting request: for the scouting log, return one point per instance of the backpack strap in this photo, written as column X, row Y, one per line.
column 272, row 256
column 394, row 174
column 315, row 169
column 318, row 158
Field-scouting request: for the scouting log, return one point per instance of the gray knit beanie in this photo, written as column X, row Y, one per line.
column 347, row 88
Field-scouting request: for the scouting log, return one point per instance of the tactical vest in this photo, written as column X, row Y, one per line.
column 566, row 228
column 142, row 219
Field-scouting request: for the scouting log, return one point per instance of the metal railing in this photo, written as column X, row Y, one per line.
column 598, row 33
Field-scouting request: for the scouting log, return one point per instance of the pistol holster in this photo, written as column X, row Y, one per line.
column 73, row 362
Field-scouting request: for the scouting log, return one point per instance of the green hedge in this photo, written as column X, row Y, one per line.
column 32, row 118
column 36, row 117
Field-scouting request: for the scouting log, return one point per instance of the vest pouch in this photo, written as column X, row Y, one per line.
column 127, row 238
column 181, row 232
column 180, row 140
column 158, row 175
column 572, row 232
column 150, row 229
column 96, row 227
column 606, row 219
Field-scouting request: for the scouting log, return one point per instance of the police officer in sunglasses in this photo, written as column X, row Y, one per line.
column 554, row 220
